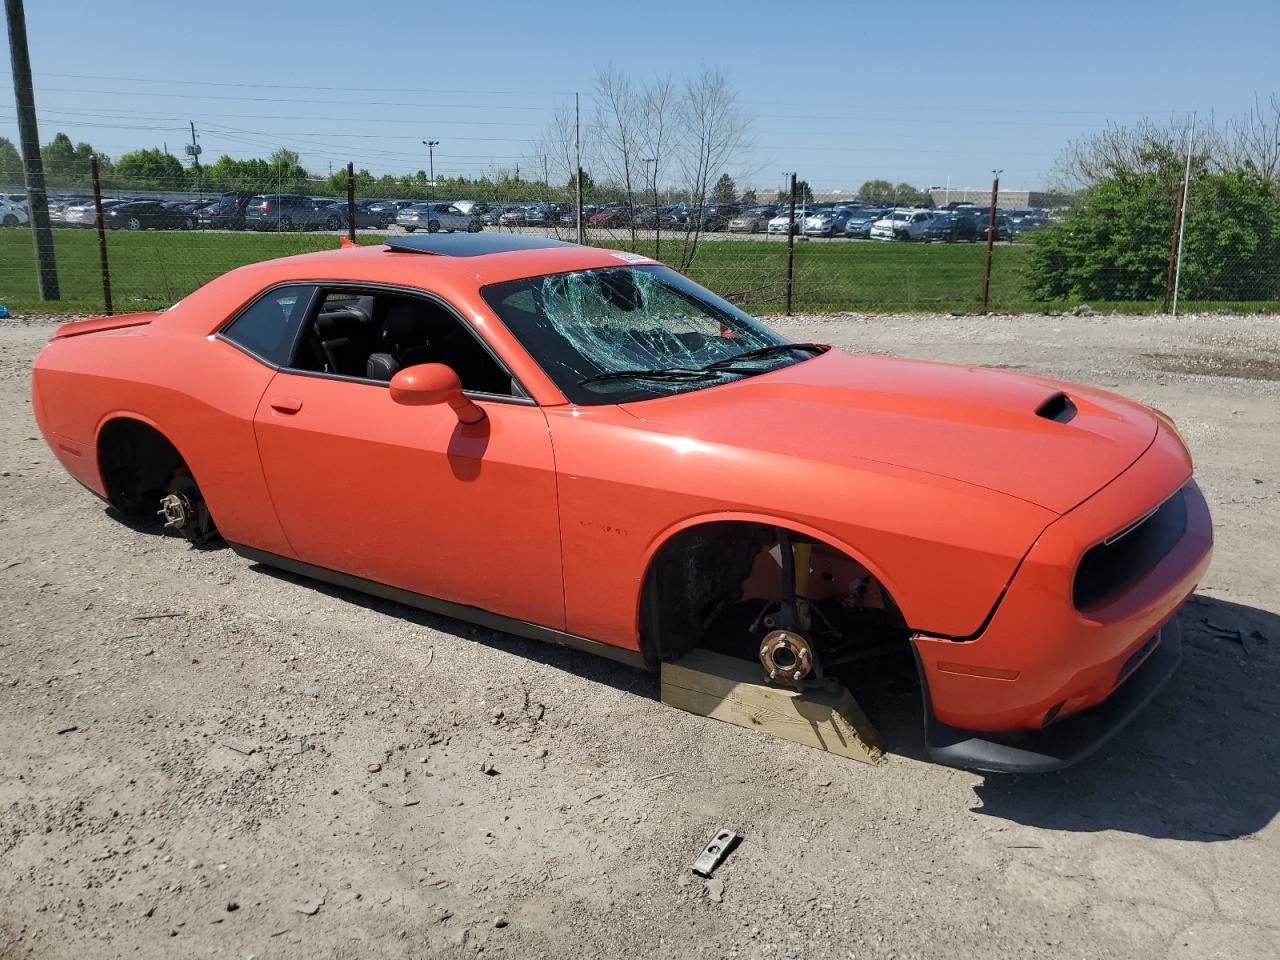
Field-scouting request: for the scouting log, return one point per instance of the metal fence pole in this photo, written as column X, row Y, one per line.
column 791, row 243
column 991, row 239
column 1175, row 245
column 102, row 233
column 351, row 202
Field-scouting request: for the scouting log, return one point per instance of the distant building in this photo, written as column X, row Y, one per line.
column 1008, row 199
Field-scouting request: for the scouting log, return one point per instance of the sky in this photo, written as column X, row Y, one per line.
column 929, row 93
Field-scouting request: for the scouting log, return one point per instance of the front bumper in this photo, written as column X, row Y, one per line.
column 1039, row 661
column 1067, row 741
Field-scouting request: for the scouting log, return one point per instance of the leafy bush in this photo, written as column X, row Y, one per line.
column 1114, row 243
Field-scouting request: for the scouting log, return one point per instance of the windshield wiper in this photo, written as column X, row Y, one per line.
column 672, row 374
column 759, row 352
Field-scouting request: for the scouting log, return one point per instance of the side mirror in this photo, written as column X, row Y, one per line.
column 427, row 384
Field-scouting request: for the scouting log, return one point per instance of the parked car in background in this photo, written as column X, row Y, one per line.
column 861, row 221
column 225, row 213
column 901, row 225
column 950, row 226
column 184, row 213
column 1025, row 219
column 752, row 220
column 13, row 214
column 437, row 217
column 512, row 217
column 82, row 213
column 651, row 218
column 538, row 215
column 712, row 218
column 779, row 224
column 826, row 223
column 493, row 216
column 618, row 216
column 59, row 205
column 386, row 209
column 142, row 215
column 290, row 211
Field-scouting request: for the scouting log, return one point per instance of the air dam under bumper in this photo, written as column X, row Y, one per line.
column 1066, row 741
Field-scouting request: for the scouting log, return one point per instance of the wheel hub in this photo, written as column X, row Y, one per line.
column 176, row 510
column 787, row 657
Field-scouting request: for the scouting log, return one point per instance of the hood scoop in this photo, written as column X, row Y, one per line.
column 1058, row 407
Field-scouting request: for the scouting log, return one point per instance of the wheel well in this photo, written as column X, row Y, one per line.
column 136, row 462
column 706, row 578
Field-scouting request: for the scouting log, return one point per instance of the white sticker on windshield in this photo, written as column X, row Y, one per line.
column 633, row 258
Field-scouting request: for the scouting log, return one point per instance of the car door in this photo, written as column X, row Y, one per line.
column 409, row 496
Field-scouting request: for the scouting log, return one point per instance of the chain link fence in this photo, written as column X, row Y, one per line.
column 165, row 237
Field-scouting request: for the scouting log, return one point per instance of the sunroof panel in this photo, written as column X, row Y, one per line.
column 470, row 244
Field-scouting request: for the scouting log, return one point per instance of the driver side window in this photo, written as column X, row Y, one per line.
column 372, row 335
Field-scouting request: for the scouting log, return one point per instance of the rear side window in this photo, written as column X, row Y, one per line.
column 269, row 325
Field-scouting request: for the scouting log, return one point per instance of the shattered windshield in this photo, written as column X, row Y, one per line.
column 618, row 334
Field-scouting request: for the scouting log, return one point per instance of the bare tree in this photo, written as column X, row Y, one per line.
column 616, row 134
column 1145, row 146
column 657, row 113
column 712, row 131
column 1253, row 140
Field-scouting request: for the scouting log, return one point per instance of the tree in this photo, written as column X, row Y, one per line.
column 1114, row 243
column 151, row 168
column 804, row 193
column 11, row 172
column 725, row 192
column 713, row 130
column 905, row 195
column 66, row 164
column 749, row 197
column 876, row 191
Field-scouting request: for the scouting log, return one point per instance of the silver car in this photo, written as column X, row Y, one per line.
column 435, row 217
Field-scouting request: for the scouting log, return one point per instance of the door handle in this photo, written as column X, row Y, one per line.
column 285, row 404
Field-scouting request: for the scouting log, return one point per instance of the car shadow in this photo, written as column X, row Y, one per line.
column 1200, row 763
column 586, row 665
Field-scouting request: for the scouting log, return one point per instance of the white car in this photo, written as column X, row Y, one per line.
column 83, row 214
column 902, row 225
column 779, row 223
column 434, row 217
column 13, row 214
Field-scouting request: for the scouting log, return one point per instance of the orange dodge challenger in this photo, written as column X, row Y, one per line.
column 584, row 446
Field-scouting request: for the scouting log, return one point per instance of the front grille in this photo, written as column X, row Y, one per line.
column 1123, row 559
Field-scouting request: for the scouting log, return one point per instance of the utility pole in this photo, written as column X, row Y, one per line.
column 577, row 148
column 1180, row 228
column 195, row 155
column 431, row 163
column 29, row 137
column 991, row 239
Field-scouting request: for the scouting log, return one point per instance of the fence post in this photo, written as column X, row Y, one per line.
column 1175, row 243
column 102, row 233
column 791, row 242
column 351, row 202
column 991, row 239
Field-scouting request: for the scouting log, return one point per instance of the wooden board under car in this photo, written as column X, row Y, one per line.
column 726, row 688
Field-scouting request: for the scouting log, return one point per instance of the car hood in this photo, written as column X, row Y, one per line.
column 969, row 424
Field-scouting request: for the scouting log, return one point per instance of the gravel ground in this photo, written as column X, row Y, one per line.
column 202, row 757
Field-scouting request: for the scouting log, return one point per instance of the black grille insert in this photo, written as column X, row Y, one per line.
column 1126, row 557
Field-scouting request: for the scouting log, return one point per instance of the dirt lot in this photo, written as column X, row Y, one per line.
column 204, row 758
